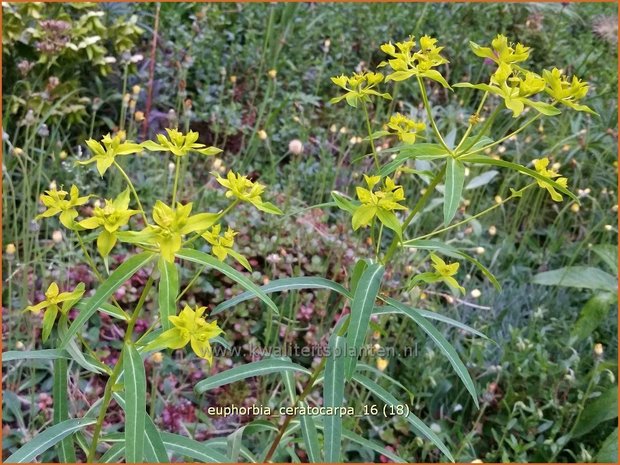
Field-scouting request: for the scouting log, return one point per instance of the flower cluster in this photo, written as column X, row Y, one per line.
column 541, row 167
column 381, row 204
column 405, row 128
column 359, row 87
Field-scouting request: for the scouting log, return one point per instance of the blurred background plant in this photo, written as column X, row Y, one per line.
column 253, row 79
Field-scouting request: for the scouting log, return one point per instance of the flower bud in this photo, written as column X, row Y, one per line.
column 135, row 89
column 598, row 349
column 382, row 364
column 262, row 134
column 57, row 236
column 476, row 293
column 139, row 116
column 296, row 147
column 10, row 249
column 272, row 73
column 157, row 357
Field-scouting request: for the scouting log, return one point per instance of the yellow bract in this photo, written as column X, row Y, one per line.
column 359, row 87
column 541, row 167
column 406, row 62
column 381, row 203
column 405, row 128
column 53, row 298
column 171, row 225
column 501, row 51
column 106, row 151
column 179, row 144
column 189, row 327
column 246, row 190
column 111, row 217
column 222, row 244
column 564, row 91
column 56, row 202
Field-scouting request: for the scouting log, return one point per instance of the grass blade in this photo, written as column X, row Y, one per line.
column 285, row 284
column 135, row 405
column 48, row 438
column 66, row 450
column 441, row 342
column 44, row 354
column 310, row 436
column 260, row 368
column 114, row 453
column 361, row 308
column 119, row 276
column 168, row 290
column 389, row 399
column 205, row 259
column 455, row 178
column 190, row 448
column 333, row 395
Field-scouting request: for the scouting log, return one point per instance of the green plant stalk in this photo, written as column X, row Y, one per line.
column 133, row 191
column 372, row 142
column 175, row 186
column 471, row 126
column 429, row 113
column 107, row 395
column 518, row 193
column 416, row 209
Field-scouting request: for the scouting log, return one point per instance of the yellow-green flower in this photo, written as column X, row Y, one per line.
column 56, row 202
column 381, row 203
column 52, row 304
column 541, row 167
column 444, row 272
column 516, row 85
column 502, row 52
column 189, row 327
column 111, row 217
column 106, row 151
column 179, row 144
column 222, row 245
column 359, row 87
column 169, row 228
column 246, row 190
column 405, row 128
column 564, row 91
column 406, row 62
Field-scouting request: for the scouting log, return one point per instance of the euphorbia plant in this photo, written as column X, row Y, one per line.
column 175, row 236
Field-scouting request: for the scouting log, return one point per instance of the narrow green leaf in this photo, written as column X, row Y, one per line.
column 421, row 151
column 154, row 449
column 356, row 274
column 417, row 424
column 260, row 368
column 431, row 316
column 48, row 438
column 582, row 277
column 333, row 396
column 233, row 443
column 168, row 291
column 285, row 284
column 114, row 453
column 186, row 447
column 66, row 450
column 429, row 244
column 205, row 259
column 310, row 436
column 135, row 408
column 484, row 160
column 455, row 178
column 44, row 354
column 609, row 254
column 351, row 436
column 345, row 203
column 118, row 277
column 441, row 342
column 361, row 309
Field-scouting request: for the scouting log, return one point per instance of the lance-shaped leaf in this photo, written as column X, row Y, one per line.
column 168, row 291
column 66, row 450
column 455, row 178
column 333, row 396
column 186, row 447
column 135, row 406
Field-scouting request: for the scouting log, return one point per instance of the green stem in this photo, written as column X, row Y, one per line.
column 372, row 142
column 416, row 209
column 471, row 123
column 177, row 169
column 518, row 193
column 429, row 113
column 133, row 191
column 107, row 395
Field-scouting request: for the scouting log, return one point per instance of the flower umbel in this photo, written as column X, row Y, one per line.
column 246, row 190
column 189, row 327
column 106, row 151
column 381, row 203
column 171, row 225
column 179, row 144
column 405, row 128
column 359, row 87
column 111, row 217
column 56, row 202
column 444, row 272
column 222, row 245
column 501, row 51
column 406, row 62
column 541, row 167
column 51, row 304
column 564, row 91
